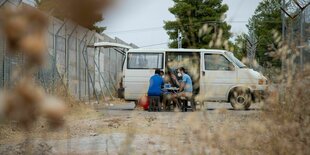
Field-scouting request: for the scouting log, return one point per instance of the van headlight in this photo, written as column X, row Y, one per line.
column 262, row 81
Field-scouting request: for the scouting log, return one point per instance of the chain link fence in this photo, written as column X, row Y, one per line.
column 296, row 32
column 87, row 73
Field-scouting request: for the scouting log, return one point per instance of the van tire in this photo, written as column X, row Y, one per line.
column 240, row 98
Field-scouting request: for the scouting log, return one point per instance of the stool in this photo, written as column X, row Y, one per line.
column 185, row 100
column 154, row 103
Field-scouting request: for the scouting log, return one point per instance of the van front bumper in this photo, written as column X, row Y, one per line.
column 260, row 94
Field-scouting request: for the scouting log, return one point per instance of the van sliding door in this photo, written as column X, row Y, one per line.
column 139, row 68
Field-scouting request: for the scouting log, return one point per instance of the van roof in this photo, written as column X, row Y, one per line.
column 176, row 50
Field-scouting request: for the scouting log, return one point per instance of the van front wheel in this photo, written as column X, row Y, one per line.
column 240, row 98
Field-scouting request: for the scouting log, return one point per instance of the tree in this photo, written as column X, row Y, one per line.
column 266, row 23
column 241, row 46
column 84, row 12
column 201, row 24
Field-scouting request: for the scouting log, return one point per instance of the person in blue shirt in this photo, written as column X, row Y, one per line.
column 185, row 86
column 156, row 83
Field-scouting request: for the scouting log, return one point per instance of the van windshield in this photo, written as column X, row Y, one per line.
column 235, row 60
column 145, row 60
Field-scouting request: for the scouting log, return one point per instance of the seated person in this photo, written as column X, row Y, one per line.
column 186, row 85
column 169, row 79
column 167, row 95
column 162, row 74
column 156, row 83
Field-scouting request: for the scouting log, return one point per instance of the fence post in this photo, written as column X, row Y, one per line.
column 3, row 61
column 55, row 48
column 109, row 72
column 302, row 21
column 66, row 62
column 54, row 56
column 80, row 52
column 68, row 55
column 87, row 68
column 104, row 81
column 101, row 89
column 76, row 61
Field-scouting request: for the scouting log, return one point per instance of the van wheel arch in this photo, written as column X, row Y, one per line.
column 245, row 91
column 235, row 88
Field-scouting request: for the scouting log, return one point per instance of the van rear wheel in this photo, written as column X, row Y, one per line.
column 240, row 99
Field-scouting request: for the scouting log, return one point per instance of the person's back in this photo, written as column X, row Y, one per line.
column 156, row 82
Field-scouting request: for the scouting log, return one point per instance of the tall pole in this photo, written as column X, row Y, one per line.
column 281, row 97
column 283, row 36
column 301, row 40
column 179, row 39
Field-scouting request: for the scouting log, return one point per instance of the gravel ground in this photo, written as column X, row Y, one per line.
column 119, row 129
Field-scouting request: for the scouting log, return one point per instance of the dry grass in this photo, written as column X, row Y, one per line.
column 12, row 131
column 278, row 129
column 282, row 127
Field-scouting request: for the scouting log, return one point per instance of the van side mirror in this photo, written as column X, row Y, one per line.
column 231, row 67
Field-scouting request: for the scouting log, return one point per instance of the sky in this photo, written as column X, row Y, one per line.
column 141, row 21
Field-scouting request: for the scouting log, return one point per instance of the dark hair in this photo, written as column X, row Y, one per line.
column 182, row 69
column 157, row 71
column 169, row 72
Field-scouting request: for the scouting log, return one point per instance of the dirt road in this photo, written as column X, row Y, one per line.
column 119, row 129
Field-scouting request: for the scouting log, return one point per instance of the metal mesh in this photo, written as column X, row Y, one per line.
column 297, row 33
column 87, row 73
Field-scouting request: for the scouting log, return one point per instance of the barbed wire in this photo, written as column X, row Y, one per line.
column 154, row 44
column 202, row 22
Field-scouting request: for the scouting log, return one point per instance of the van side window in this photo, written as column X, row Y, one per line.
column 216, row 62
column 145, row 60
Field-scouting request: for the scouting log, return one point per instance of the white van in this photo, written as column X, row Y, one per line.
column 217, row 75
